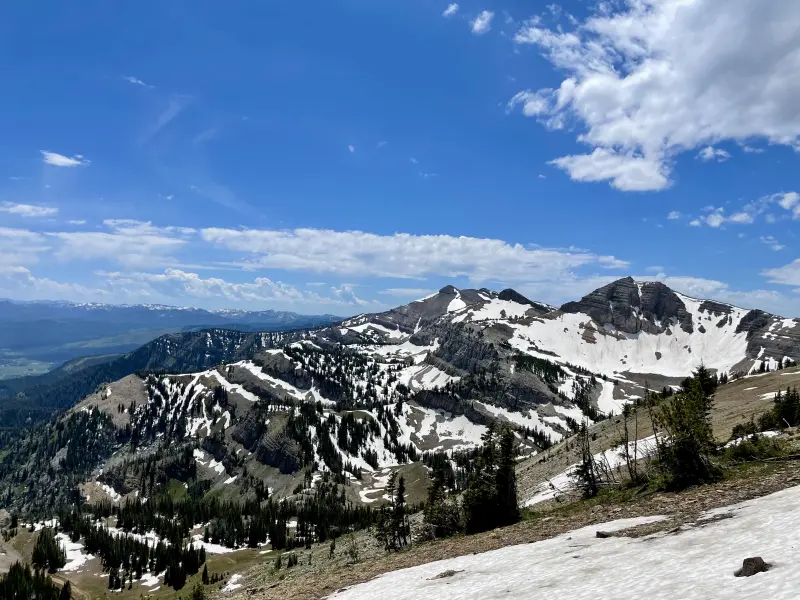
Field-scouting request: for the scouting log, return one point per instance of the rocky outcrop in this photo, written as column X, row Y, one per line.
column 448, row 403
column 753, row 322
column 271, row 444
column 715, row 308
column 622, row 305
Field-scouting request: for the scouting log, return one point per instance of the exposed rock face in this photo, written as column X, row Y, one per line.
column 441, row 401
column 753, row 322
column 769, row 336
column 621, row 305
column 715, row 308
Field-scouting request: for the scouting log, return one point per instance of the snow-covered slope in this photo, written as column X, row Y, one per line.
column 697, row 562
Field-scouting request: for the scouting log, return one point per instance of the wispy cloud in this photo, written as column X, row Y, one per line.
column 482, row 23
column 28, row 210
column 381, row 144
column 136, row 81
column 205, row 135
column 128, row 242
column 177, row 283
column 772, row 243
column 674, row 215
column 351, row 148
column 77, row 222
column 59, row 160
column 450, row 10
column 174, row 108
column 710, row 153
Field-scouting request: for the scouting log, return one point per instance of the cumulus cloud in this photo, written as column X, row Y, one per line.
column 450, row 10
column 626, row 171
column 716, row 218
column 28, row 210
column 674, row 215
column 59, row 160
column 19, row 283
column 402, row 255
column 648, row 79
column 482, row 23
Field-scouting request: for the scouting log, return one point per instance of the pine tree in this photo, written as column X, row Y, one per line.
column 205, row 575
column 66, row 591
column 506, row 480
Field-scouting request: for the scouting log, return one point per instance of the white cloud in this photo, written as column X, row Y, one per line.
column 128, row 242
column 710, row 153
column 19, row 283
column 674, row 215
column 788, row 200
column 785, row 275
column 59, row 160
column 716, row 218
column 402, row 255
column 136, row 81
column 627, row 172
column 650, row 79
column 772, row 242
column 351, row 148
column 177, row 284
column 21, row 247
column 28, row 210
column 77, row 222
column 450, row 10
column 413, row 160
column 482, row 23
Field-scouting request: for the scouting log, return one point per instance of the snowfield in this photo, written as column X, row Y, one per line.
column 696, row 563
column 613, row 352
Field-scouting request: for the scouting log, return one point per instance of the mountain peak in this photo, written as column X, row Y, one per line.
column 632, row 307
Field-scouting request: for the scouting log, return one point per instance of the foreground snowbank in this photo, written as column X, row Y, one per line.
column 697, row 563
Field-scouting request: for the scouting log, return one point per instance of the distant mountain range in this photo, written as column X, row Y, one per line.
column 35, row 336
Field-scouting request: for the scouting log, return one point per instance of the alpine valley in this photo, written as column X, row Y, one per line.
column 322, row 417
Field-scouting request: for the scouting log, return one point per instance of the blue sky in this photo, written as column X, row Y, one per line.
column 350, row 156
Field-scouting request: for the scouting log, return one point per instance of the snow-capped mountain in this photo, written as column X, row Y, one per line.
column 379, row 391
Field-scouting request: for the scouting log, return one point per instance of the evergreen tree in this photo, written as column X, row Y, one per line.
column 66, row 591
column 205, row 575
column 506, row 480
column 683, row 458
column 47, row 552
